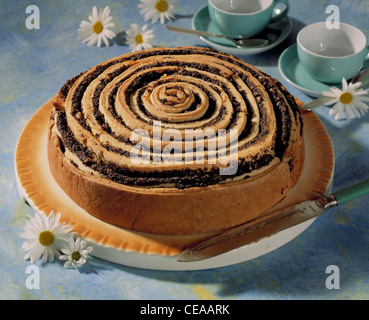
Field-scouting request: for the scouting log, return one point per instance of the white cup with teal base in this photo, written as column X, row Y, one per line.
column 245, row 18
column 329, row 55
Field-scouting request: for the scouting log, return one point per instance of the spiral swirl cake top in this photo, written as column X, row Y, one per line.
column 175, row 118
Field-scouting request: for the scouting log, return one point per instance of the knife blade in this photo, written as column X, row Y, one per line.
column 270, row 224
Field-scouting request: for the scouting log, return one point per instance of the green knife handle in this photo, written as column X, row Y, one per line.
column 352, row 192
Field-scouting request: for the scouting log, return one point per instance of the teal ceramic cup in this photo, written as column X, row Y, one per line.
column 245, row 18
column 329, row 55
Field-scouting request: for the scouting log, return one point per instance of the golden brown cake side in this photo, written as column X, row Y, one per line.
column 96, row 113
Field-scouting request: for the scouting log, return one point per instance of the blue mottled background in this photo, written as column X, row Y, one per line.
column 34, row 64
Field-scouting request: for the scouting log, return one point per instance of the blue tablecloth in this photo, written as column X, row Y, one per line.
column 35, row 63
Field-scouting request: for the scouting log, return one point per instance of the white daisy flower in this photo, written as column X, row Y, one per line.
column 348, row 101
column 45, row 236
column 76, row 253
column 97, row 29
column 158, row 9
column 138, row 38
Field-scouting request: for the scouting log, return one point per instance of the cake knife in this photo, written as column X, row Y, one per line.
column 271, row 223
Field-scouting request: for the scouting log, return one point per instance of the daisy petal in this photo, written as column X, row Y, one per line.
column 354, row 86
column 362, row 106
column 360, row 93
column 344, row 84
column 105, row 13
column 94, row 13
column 109, row 34
column 349, row 112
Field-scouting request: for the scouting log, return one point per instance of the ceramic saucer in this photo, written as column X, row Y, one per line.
column 295, row 74
column 275, row 33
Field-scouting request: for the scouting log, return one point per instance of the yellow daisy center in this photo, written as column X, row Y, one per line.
column 75, row 255
column 161, row 6
column 98, row 27
column 46, row 238
column 346, row 97
column 139, row 39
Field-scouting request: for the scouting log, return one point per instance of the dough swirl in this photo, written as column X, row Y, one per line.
column 168, row 107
